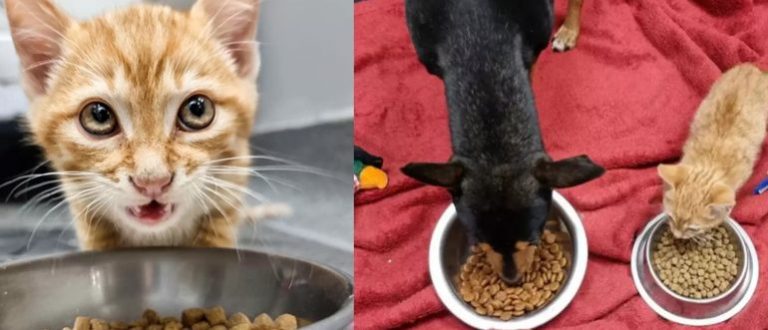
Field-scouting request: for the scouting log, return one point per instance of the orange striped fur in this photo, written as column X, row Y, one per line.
column 144, row 62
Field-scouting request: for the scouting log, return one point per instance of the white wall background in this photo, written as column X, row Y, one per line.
column 306, row 45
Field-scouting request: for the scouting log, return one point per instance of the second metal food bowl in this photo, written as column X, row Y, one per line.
column 689, row 311
column 49, row 293
column 450, row 247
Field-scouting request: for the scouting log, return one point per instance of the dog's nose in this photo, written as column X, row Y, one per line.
column 153, row 186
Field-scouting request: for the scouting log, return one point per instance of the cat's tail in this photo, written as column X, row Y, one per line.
column 259, row 213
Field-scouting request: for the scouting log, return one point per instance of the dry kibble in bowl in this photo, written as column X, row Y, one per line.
column 194, row 319
column 699, row 268
column 481, row 286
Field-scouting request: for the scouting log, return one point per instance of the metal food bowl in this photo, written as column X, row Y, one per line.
column 49, row 293
column 450, row 248
column 690, row 311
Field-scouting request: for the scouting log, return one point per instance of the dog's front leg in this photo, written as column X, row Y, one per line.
column 566, row 36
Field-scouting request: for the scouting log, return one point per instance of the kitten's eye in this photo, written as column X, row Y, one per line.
column 98, row 119
column 196, row 113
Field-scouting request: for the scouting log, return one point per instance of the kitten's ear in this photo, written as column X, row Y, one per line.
column 722, row 198
column 567, row 172
column 234, row 24
column 37, row 27
column 672, row 175
column 447, row 175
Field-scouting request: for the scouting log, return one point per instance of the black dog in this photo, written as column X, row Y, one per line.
column 500, row 176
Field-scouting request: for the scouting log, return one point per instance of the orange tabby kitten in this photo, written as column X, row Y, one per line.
column 722, row 148
column 141, row 110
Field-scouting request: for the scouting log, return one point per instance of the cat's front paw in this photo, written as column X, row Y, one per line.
column 565, row 39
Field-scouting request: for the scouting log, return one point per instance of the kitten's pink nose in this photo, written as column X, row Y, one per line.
column 152, row 187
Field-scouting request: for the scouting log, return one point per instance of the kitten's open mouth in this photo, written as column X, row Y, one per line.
column 151, row 213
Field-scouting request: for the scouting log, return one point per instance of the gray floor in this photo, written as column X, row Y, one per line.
column 320, row 229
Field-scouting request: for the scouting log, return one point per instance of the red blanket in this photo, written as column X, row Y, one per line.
column 625, row 96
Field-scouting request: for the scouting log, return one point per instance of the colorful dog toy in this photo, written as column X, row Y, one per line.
column 368, row 173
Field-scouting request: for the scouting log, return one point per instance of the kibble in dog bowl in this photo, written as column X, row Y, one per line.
column 481, row 286
column 700, row 268
column 194, row 319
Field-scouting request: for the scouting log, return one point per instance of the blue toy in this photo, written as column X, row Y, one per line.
column 762, row 187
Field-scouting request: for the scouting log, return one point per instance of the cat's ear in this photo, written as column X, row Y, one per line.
column 446, row 175
column 722, row 198
column 672, row 175
column 566, row 172
column 234, row 24
column 37, row 28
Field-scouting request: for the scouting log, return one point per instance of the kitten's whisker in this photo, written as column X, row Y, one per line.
column 299, row 169
column 33, row 187
column 257, row 157
column 222, row 197
column 236, row 170
column 216, row 206
column 45, row 216
column 282, row 168
column 39, row 185
column 229, row 185
column 222, row 214
column 104, row 201
column 40, row 197
column 29, row 177
column 250, row 173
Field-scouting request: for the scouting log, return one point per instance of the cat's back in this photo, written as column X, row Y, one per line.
column 729, row 125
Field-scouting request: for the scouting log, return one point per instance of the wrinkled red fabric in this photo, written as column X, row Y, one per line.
column 625, row 96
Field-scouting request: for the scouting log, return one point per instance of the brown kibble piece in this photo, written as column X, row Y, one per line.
column 192, row 316
column 169, row 319
column 201, row 326
column 286, row 322
column 239, row 318
column 219, row 327
column 263, row 320
column 82, row 323
column 151, row 316
column 216, row 315
column 142, row 322
column 242, row 326
column 118, row 325
column 155, row 327
column 174, row 325
column 99, row 325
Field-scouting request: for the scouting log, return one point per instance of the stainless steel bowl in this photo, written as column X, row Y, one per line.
column 49, row 293
column 688, row 311
column 449, row 249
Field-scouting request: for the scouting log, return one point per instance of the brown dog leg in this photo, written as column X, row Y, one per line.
column 566, row 36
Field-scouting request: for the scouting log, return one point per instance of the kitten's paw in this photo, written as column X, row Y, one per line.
column 565, row 39
column 268, row 211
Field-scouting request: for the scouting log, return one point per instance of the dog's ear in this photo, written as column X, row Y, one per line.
column 447, row 175
column 567, row 172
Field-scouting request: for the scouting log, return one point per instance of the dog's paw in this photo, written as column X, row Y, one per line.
column 267, row 211
column 565, row 39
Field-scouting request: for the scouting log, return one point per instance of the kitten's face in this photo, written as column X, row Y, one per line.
column 139, row 107
column 694, row 200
